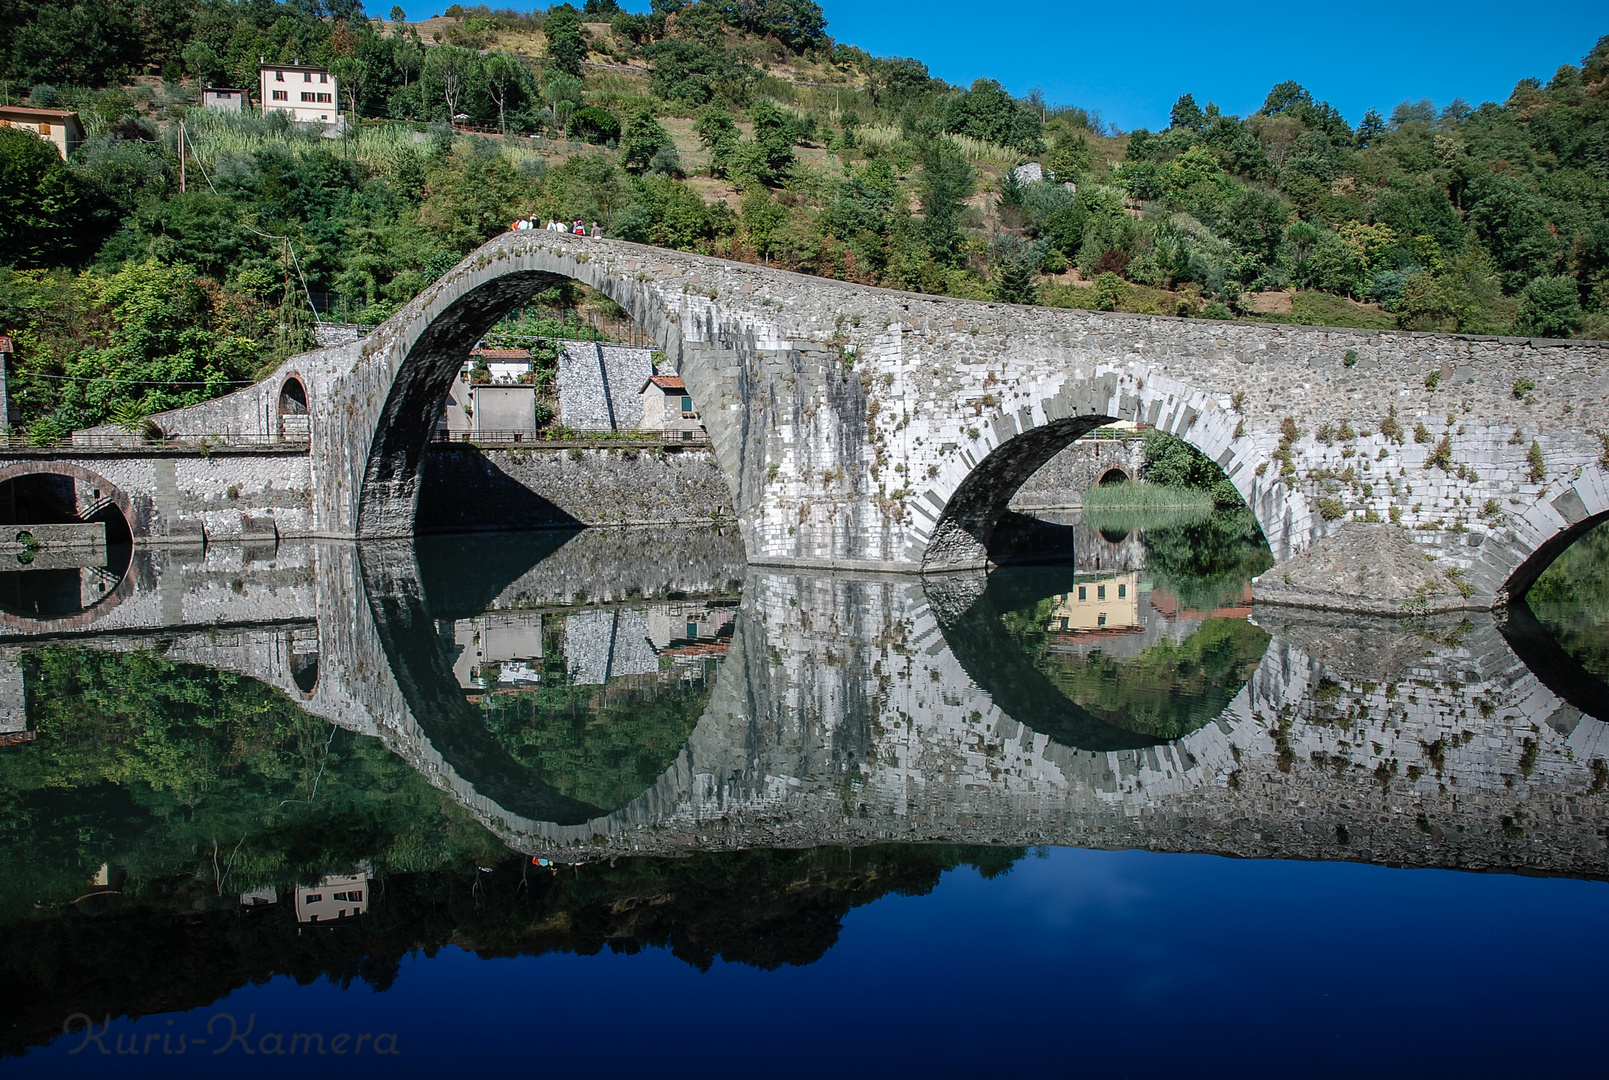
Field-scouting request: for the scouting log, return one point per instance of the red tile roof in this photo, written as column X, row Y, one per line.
column 28, row 111
column 666, row 382
column 502, row 354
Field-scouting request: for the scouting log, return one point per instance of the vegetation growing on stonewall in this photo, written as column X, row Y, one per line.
column 742, row 131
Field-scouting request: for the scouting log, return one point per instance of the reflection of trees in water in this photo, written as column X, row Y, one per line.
column 764, row 908
column 1571, row 599
column 601, row 744
column 1207, row 564
column 1168, row 690
column 165, row 769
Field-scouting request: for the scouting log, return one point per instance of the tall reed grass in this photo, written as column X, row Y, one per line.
column 971, row 149
column 1145, row 497
column 217, row 137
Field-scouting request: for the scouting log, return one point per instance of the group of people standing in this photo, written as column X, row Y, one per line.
column 578, row 228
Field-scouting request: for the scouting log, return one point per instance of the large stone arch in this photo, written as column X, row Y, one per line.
column 972, row 491
column 416, row 363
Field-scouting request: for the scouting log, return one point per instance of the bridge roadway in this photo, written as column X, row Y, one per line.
column 862, row 428
column 856, row 708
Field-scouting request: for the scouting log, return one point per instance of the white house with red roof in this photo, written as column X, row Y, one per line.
column 667, row 407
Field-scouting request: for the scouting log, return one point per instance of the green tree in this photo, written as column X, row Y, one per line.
column 946, row 182
column 1550, row 307
column 645, row 139
column 770, row 155
column 202, row 62
column 449, row 68
column 985, row 111
column 566, row 39
column 682, row 70
column 504, row 76
column 1512, row 224
column 39, row 201
column 717, row 133
column 1016, row 266
column 1186, row 115
column 563, row 95
column 85, row 43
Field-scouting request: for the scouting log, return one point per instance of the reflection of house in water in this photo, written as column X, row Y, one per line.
column 338, row 896
column 689, row 633
column 599, row 644
column 1102, row 604
column 511, row 640
column 1121, row 616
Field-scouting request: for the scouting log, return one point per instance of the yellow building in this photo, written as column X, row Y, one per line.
column 57, row 126
column 1104, row 602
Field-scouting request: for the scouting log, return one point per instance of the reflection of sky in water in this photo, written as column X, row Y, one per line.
column 1123, row 962
column 1106, row 963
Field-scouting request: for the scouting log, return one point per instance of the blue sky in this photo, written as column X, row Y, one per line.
column 1132, row 63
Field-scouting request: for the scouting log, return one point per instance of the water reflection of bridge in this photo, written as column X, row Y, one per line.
column 865, row 709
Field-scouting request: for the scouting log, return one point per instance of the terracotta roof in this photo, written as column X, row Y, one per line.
column 502, row 354
column 42, row 114
column 666, row 382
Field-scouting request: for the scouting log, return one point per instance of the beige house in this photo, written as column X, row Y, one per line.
column 223, row 99
column 668, row 408
column 58, row 126
column 338, row 896
column 1099, row 603
column 309, row 94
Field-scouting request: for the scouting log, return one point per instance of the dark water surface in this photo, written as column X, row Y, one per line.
column 612, row 802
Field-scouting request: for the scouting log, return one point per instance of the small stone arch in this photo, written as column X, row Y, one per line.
column 293, row 396
column 96, row 496
column 101, row 492
column 1114, row 474
column 293, row 411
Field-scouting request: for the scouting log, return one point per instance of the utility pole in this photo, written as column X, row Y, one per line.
column 181, row 157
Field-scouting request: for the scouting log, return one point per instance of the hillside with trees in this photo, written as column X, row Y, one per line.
column 738, row 129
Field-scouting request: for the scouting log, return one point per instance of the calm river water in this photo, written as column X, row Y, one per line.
column 612, row 802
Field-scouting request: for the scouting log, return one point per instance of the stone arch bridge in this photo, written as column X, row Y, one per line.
column 863, row 428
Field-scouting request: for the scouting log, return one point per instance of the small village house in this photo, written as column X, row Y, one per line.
column 598, row 385
column 668, row 408
column 504, row 413
column 224, row 99
column 60, row 127
column 506, row 365
column 309, row 94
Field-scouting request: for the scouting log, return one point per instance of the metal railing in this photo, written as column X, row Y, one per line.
column 550, row 439
column 137, row 443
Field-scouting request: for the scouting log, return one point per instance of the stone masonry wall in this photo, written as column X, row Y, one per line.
column 600, row 385
column 465, row 488
column 1062, row 480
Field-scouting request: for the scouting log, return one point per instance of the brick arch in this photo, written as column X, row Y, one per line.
column 972, row 491
column 1111, row 467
